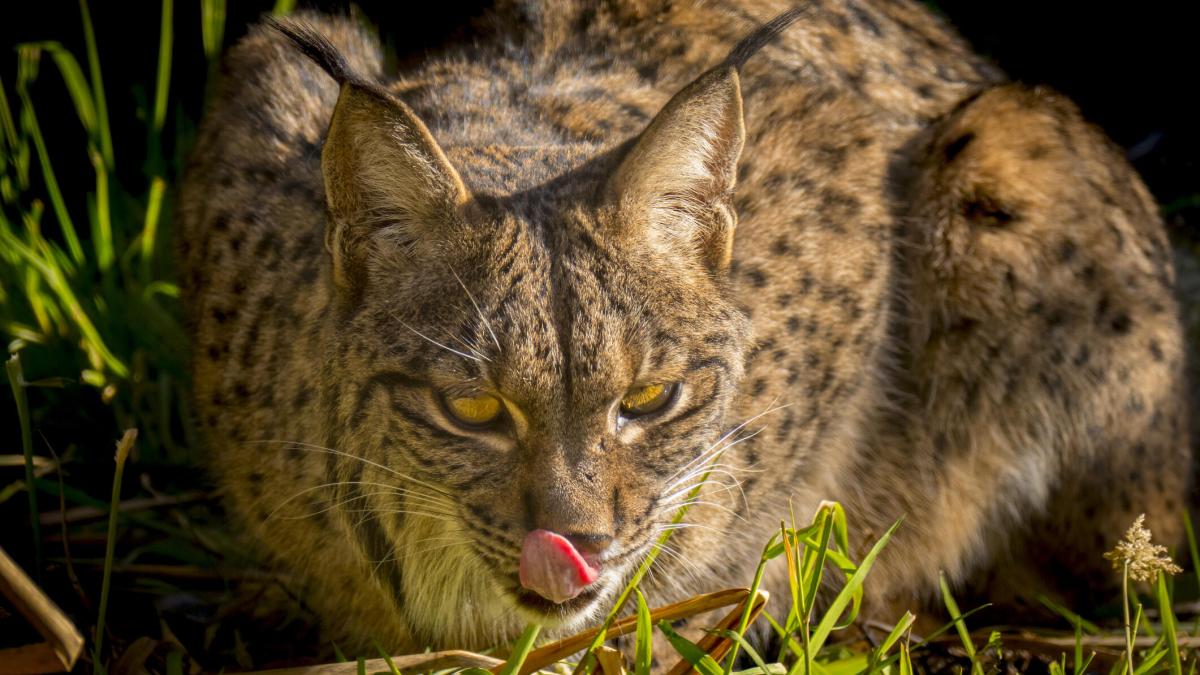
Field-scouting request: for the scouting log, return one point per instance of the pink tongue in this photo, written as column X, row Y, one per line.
column 552, row 568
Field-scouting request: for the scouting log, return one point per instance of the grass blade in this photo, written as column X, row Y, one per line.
column 103, row 134
column 212, row 26
column 57, row 281
column 1071, row 617
column 1150, row 662
column 8, row 129
column 1167, row 616
column 1079, row 649
column 123, row 449
column 645, row 638
column 905, row 660
column 690, row 651
column 852, row 664
column 521, row 650
column 175, row 662
column 27, row 60
column 815, row 560
column 945, row 628
column 16, row 378
column 1191, row 540
column 148, row 241
column 338, row 655
column 739, row 640
column 880, row 652
column 959, row 624
column 772, row 669
column 788, row 642
column 162, row 84
column 392, row 669
column 102, row 232
column 1085, row 667
column 76, row 83
column 853, row 585
column 744, row 622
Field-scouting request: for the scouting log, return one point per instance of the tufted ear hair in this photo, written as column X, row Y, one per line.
column 676, row 182
column 386, row 178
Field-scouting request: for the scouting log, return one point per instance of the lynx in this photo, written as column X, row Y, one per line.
column 467, row 335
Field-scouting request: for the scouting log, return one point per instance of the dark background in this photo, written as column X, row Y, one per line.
column 1132, row 68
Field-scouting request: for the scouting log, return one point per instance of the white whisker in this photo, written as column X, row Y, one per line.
column 705, row 478
column 388, row 489
column 333, row 451
column 375, row 512
column 700, row 502
column 770, row 409
column 435, row 342
column 486, row 324
column 475, row 352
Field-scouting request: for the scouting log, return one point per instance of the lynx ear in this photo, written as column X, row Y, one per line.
column 676, row 182
column 385, row 177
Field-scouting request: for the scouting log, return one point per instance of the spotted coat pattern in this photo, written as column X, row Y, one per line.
column 949, row 300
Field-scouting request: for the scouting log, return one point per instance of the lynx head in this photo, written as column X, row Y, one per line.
column 538, row 377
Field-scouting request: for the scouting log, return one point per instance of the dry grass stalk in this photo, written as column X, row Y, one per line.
column 81, row 514
column 612, row 662
column 185, row 572
column 63, row 642
column 417, row 663
column 1097, row 641
column 39, row 463
column 1108, row 649
column 717, row 646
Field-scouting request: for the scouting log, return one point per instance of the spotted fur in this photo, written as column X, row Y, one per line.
column 882, row 274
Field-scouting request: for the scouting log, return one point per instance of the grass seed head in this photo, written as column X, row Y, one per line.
column 1144, row 558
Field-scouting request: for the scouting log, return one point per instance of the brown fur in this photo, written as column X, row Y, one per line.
column 948, row 298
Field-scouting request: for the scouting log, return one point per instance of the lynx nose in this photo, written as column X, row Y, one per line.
column 592, row 546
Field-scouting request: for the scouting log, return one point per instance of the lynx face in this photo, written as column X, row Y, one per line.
column 586, row 405
column 537, row 379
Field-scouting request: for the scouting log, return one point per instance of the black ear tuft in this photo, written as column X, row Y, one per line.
column 317, row 47
column 762, row 35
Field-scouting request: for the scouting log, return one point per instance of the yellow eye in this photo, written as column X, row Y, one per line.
column 474, row 410
column 647, row 399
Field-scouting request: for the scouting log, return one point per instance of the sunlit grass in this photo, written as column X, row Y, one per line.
column 98, row 310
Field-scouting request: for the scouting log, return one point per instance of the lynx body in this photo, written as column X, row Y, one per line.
column 859, row 266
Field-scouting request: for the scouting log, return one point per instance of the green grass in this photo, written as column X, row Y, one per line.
column 89, row 314
column 124, row 447
column 16, row 378
column 97, row 310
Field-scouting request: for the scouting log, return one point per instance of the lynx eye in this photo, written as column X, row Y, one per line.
column 473, row 411
column 648, row 399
